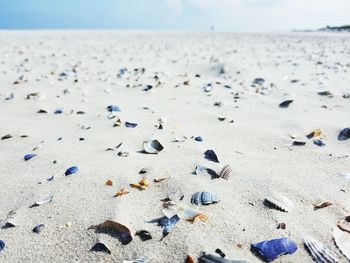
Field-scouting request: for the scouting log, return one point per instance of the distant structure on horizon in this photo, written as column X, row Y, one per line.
column 345, row 28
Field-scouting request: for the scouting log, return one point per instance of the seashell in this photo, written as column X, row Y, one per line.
column 142, row 185
column 319, row 142
column 168, row 224
column 326, row 93
column 342, row 241
column 204, row 198
column 160, row 179
column 38, row 146
column 272, row 249
column 298, row 143
column 144, row 235
column 221, row 118
column 211, row 156
column 344, row 134
column 281, row 226
column 2, row 245
column 280, row 202
column 180, row 139
column 344, row 224
column 109, row 182
column 145, row 170
column 345, row 175
column 123, row 154
column 71, row 170
column 41, row 111
column 38, row 228
column 117, row 123
column 29, row 156
column 8, row 221
column 124, row 191
column 314, row 133
column 113, row 108
column 130, row 124
column 43, row 201
column 322, row 205
column 139, row 260
column 198, row 139
column 50, row 178
column 189, row 259
column 200, row 169
column 259, row 81
column 153, row 147
column 100, row 247
column 7, row 136
column 219, row 251
column 225, row 172
column 59, row 111
column 319, row 252
column 114, row 229
column 285, row 103
column 208, row 258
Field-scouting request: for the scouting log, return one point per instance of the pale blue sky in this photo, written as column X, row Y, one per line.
column 224, row 15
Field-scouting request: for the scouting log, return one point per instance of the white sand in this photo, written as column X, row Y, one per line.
column 256, row 145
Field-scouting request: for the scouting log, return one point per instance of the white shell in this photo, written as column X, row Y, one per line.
column 319, row 252
column 139, row 260
column 342, row 240
column 279, row 201
column 45, row 200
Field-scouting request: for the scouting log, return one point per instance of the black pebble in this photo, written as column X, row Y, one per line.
column 219, row 251
column 144, row 235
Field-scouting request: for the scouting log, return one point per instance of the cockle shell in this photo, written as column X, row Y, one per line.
column 280, row 202
column 204, row 198
column 225, row 172
column 272, row 249
column 319, row 252
column 342, row 241
column 152, row 146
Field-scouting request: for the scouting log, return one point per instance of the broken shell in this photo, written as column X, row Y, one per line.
column 100, row 247
column 314, row 133
column 2, row 245
column 109, row 183
column 285, row 103
column 142, row 185
column 204, row 198
column 319, row 252
column 326, row 93
column 272, row 249
column 145, row 170
column 113, row 108
column 8, row 221
column 38, row 228
column 322, row 205
column 117, row 123
column 123, row 154
column 208, row 258
column 344, row 134
column 144, row 235
column 189, row 259
column 113, row 228
column 130, row 124
column 344, row 224
column 160, row 179
column 342, row 241
column 225, row 172
column 168, row 224
column 139, row 260
column 45, row 200
column 124, row 191
column 7, row 136
column 71, row 170
column 29, row 156
column 152, row 146
column 319, row 142
column 280, row 202
column 211, row 156
column 298, row 143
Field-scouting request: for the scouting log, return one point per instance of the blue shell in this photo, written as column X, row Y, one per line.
column 59, row 111
column 168, row 224
column 344, row 134
column 113, row 108
column 259, row 81
column 29, row 156
column 272, row 249
column 318, row 142
column 211, row 156
column 71, row 170
column 204, row 198
column 130, row 124
column 198, row 139
column 2, row 245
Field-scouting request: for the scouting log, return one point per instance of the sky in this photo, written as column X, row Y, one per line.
column 192, row 15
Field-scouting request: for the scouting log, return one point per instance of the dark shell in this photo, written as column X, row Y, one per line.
column 168, row 224
column 38, row 228
column 7, row 136
column 198, row 139
column 152, row 146
column 298, row 143
column 259, row 81
column 272, row 249
column 71, row 170
column 344, row 134
column 204, row 198
column 208, row 258
column 130, row 124
column 285, row 103
column 100, row 247
column 42, row 111
column 211, row 156
column 114, row 229
column 113, row 108
column 325, row 93
column 59, row 111
column 318, row 142
column 219, row 251
column 2, row 245
column 144, row 235
column 29, row 156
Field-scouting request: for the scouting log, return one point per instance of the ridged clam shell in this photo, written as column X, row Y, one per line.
column 204, row 198
column 280, row 202
column 342, row 241
column 225, row 172
column 152, row 146
column 319, row 252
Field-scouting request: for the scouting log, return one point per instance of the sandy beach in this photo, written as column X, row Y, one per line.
column 55, row 87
